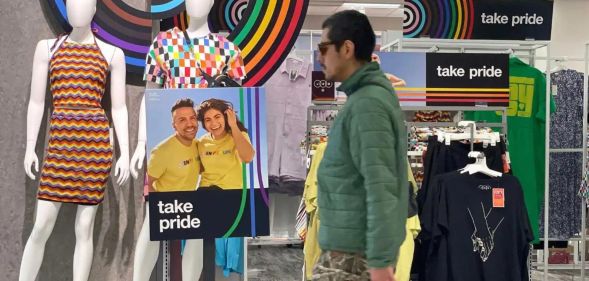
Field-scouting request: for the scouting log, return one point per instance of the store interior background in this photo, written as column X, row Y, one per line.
column 119, row 219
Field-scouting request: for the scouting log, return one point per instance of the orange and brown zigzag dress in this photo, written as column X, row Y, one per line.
column 79, row 154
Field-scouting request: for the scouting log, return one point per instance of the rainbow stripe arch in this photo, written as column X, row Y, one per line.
column 264, row 34
column 449, row 19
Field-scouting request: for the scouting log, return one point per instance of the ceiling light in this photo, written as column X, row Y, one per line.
column 371, row 5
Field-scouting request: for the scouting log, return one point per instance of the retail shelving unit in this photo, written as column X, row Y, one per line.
column 523, row 49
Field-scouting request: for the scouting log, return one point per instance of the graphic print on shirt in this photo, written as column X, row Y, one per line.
column 483, row 236
column 521, row 97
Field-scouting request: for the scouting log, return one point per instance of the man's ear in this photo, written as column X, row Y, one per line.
column 349, row 49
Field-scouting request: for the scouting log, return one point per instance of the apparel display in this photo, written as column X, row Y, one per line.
column 178, row 62
column 79, row 153
column 287, row 98
column 478, row 228
column 311, row 248
column 441, row 158
column 565, row 168
column 471, row 208
column 525, row 122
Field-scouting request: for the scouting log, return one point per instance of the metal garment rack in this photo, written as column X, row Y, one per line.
column 523, row 49
column 582, row 266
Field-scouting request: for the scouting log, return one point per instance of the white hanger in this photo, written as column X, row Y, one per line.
column 480, row 166
column 491, row 138
column 293, row 55
column 559, row 65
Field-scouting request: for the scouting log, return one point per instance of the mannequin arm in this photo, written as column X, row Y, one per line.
column 139, row 155
column 119, row 114
column 36, row 105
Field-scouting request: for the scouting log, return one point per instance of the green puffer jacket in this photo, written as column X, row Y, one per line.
column 362, row 192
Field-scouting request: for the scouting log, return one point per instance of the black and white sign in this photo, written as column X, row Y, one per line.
column 467, row 79
column 479, row 19
column 204, row 213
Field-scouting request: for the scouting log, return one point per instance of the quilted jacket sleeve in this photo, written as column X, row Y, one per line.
column 374, row 144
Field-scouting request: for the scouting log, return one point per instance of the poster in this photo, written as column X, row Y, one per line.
column 478, row 19
column 446, row 79
column 216, row 210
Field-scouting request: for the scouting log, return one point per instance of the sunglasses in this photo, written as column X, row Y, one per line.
column 323, row 46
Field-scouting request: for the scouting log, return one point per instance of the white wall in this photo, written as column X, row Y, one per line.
column 570, row 32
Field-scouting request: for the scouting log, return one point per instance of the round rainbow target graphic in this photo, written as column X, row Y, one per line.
column 414, row 20
column 452, row 19
column 234, row 11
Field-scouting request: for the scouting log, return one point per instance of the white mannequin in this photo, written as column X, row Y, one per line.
column 146, row 251
column 80, row 14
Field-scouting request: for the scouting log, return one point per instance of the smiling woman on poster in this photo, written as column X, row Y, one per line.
column 224, row 147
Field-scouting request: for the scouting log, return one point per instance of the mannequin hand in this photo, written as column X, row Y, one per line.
column 137, row 159
column 30, row 159
column 382, row 274
column 231, row 119
column 122, row 170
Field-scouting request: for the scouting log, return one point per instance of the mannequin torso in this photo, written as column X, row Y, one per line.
column 76, row 115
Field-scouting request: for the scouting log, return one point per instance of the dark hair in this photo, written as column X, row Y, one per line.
column 185, row 102
column 221, row 106
column 354, row 26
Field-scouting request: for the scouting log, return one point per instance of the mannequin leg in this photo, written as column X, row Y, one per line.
column 84, row 251
column 146, row 252
column 192, row 260
column 34, row 250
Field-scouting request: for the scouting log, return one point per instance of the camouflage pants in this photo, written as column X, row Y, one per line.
column 336, row 266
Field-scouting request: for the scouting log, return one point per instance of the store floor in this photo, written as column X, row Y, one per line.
column 275, row 263
column 281, row 263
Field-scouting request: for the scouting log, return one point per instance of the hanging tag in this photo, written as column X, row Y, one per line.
column 498, row 198
column 555, row 90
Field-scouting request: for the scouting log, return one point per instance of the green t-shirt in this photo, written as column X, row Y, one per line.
column 525, row 132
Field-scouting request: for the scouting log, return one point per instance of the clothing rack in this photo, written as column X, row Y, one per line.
column 525, row 48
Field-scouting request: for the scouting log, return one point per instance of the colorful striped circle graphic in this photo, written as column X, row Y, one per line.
column 234, row 11
column 226, row 14
column 448, row 19
column 264, row 34
column 121, row 25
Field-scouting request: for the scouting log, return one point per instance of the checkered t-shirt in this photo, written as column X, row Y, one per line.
column 170, row 62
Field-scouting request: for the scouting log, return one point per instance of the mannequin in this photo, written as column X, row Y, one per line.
column 147, row 251
column 80, row 14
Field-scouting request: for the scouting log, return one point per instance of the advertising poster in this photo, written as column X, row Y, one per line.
column 478, row 19
column 235, row 201
column 446, row 79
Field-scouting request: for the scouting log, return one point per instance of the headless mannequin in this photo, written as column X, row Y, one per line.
column 80, row 14
column 146, row 252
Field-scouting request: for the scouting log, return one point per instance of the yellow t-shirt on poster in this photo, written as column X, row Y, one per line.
column 175, row 166
column 221, row 161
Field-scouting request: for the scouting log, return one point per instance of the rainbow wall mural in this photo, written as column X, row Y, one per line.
column 263, row 34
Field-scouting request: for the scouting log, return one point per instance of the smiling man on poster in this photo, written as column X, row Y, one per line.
column 174, row 165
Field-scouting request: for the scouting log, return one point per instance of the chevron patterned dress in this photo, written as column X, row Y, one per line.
column 79, row 154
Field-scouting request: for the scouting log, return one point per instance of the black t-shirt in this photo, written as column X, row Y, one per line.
column 478, row 228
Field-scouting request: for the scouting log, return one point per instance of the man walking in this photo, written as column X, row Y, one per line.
column 363, row 175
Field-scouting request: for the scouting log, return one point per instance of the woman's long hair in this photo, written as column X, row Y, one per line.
column 221, row 106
